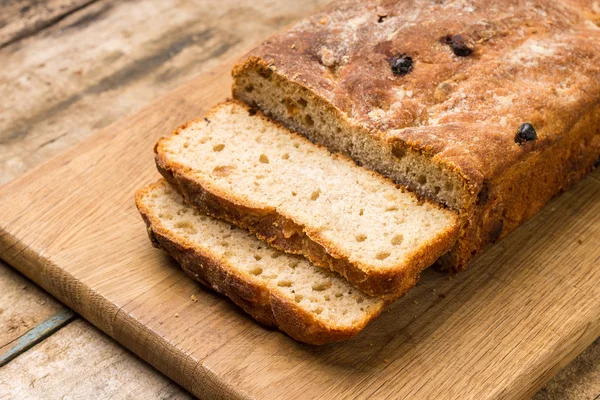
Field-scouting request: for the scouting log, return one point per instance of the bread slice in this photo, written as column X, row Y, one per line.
column 310, row 304
column 452, row 99
column 304, row 200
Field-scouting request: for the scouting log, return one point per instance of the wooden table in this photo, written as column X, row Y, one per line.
column 71, row 67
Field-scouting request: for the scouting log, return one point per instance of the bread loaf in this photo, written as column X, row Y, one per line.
column 308, row 303
column 488, row 107
column 302, row 199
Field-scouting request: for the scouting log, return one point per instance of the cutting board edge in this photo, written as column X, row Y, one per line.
column 51, row 278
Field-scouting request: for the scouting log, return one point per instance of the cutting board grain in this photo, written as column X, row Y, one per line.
column 501, row 329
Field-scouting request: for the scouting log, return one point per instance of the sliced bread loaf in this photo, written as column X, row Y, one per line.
column 310, row 304
column 300, row 198
column 452, row 99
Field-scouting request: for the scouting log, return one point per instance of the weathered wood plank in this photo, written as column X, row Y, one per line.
column 110, row 58
column 23, row 307
column 40, row 332
column 79, row 362
column 21, row 18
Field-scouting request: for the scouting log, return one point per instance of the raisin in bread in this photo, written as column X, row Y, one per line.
column 244, row 168
column 488, row 107
column 310, row 304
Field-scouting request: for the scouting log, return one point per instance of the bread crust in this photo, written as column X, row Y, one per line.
column 265, row 304
column 462, row 112
column 281, row 232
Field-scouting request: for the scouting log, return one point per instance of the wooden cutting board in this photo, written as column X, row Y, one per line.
column 499, row 330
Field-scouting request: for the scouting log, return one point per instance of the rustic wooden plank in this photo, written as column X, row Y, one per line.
column 79, row 362
column 501, row 329
column 40, row 332
column 22, row 18
column 110, row 58
column 27, row 314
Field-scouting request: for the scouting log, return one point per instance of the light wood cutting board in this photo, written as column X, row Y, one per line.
column 499, row 330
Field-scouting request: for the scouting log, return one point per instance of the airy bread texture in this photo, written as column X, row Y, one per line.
column 446, row 126
column 304, row 200
column 310, row 304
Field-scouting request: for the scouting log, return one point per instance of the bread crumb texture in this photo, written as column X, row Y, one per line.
column 353, row 212
column 327, row 297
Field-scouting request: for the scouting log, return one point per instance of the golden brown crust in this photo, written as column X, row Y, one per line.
column 532, row 61
column 281, row 232
column 264, row 304
column 514, row 197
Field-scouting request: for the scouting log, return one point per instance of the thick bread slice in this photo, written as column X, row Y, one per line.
column 310, row 304
column 454, row 99
column 304, row 200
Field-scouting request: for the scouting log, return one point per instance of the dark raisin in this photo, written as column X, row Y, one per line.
column 402, row 65
column 381, row 18
column 484, row 193
column 458, row 45
column 252, row 111
column 207, row 120
column 526, row 133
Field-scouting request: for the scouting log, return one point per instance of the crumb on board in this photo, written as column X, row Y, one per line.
column 176, row 315
column 194, row 298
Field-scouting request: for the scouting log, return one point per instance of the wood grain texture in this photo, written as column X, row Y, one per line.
column 80, row 363
column 578, row 380
column 22, row 18
column 23, row 307
column 40, row 332
column 107, row 60
column 501, row 329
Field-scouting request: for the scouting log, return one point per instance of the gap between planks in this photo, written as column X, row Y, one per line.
column 34, row 336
